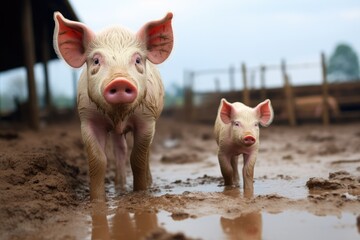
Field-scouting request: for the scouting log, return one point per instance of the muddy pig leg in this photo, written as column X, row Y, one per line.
column 248, row 172
column 120, row 151
column 226, row 168
column 234, row 164
column 94, row 138
column 139, row 158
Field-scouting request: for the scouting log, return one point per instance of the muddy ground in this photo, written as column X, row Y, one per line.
column 306, row 178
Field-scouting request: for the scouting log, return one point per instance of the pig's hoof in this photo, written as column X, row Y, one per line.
column 230, row 187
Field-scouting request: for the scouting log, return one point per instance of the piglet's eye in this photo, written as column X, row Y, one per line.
column 138, row 60
column 256, row 124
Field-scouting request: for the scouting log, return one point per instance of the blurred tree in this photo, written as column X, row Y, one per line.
column 343, row 64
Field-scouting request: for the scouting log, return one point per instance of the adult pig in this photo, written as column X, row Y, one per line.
column 237, row 132
column 120, row 90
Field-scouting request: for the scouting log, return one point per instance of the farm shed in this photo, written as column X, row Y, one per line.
column 27, row 27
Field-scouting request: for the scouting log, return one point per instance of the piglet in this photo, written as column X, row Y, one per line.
column 237, row 132
column 119, row 91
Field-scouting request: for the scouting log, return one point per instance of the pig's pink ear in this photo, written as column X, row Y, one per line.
column 158, row 37
column 226, row 110
column 71, row 40
column 265, row 112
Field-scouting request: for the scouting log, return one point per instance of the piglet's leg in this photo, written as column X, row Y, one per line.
column 120, row 151
column 139, row 158
column 226, row 168
column 94, row 138
column 248, row 172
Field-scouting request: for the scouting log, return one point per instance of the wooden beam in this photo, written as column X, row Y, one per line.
column 262, row 82
column 188, row 95
column 246, row 93
column 289, row 96
column 29, row 56
column 45, row 51
column 217, row 85
column 232, row 78
column 325, row 93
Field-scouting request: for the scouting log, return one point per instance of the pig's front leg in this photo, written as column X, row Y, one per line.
column 226, row 168
column 234, row 164
column 248, row 172
column 120, row 152
column 139, row 158
column 94, row 137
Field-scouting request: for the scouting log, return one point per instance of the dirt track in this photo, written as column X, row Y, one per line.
column 308, row 169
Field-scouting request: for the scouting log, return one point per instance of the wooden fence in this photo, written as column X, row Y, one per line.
column 324, row 103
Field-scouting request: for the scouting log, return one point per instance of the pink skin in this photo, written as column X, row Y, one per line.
column 237, row 132
column 119, row 91
column 249, row 140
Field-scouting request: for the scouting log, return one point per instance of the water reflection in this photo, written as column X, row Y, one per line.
column 248, row 226
column 123, row 224
column 139, row 224
column 235, row 192
column 131, row 226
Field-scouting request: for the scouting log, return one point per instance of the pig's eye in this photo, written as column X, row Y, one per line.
column 138, row 63
column 96, row 59
column 236, row 123
column 137, row 59
column 256, row 124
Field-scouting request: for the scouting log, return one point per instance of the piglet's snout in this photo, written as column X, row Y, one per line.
column 120, row 90
column 249, row 140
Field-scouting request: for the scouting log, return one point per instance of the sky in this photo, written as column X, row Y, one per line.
column 213, row 34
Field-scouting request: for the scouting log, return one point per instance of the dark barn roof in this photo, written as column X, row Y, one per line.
column 27, row 38
column 11, row 40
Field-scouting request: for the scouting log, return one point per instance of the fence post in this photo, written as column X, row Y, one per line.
column 217, row 84
column 290, row 101
column 252, row 79
column 29, row 59
column 262, row 82
column 246, row 94
column 232, row 78
column 325, row 93
column 188, row 95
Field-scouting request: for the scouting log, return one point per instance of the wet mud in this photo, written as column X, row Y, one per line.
column 306, row 179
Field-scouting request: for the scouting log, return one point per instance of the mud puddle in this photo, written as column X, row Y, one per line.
column 177, row 179
column 200, row 208
column 306, row 187
column 293, row 189
column 255, row 225
column 286, row 225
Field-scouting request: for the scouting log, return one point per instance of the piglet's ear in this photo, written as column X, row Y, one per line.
column 225, row 111
column 71, row 40
column 158, row 37
column 265, row 112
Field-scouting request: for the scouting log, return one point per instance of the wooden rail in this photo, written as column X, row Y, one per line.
column 325, row 103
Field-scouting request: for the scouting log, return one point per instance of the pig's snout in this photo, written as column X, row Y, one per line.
column 120, row 90
column 249, row 140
